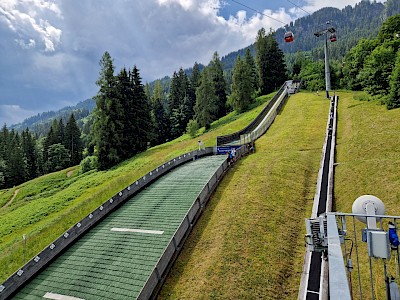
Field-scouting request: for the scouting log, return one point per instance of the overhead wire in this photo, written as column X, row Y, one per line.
column 255, row 10
column 298, row 7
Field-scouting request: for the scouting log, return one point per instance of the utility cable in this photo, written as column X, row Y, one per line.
column 298, row 7
column 248, row 7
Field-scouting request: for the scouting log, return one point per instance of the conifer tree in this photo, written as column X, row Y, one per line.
column 249, row 60
column 161, row 127
column 242, row 86
column 60, row 132
column 58, row 158
column 106, row 127
column 206, row 107
column 217, row 74
column 196, row 76
column 4, row 142
column 16, row 163
column 73, row 142
column 174, row 94
column 142, row 111
column 30, row 154
column 270, row 61
column 49, row 140
column 180, row 103
column 261, row 59
column 124, row 89
column 2, row 171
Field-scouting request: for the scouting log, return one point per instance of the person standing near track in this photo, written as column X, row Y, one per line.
column 201, row 145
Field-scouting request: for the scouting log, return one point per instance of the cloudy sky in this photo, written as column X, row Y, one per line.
column 50, row 49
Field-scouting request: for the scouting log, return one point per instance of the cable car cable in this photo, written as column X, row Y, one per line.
column 248, row 7
column 298, row 7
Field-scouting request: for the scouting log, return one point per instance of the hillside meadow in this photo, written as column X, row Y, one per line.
column 47, row 206
column 249, row 243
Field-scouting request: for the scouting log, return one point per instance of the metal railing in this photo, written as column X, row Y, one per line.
column 234, row 137
column 171, row 252
column 266, row 122
column 48, row 254
column 370, row 261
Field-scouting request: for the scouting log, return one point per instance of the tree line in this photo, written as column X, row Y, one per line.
column 373, row 65
column 130, row 116
column 24, row 157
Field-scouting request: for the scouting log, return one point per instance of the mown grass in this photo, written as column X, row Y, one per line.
column 47, row 206
column 368, row 160
column 249, row 242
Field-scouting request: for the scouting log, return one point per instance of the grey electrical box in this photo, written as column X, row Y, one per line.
column 378, row 244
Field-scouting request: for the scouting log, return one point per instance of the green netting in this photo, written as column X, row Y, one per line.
column 105, row 264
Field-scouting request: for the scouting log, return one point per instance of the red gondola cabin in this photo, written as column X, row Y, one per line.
column 289, row 37
column 333, row 37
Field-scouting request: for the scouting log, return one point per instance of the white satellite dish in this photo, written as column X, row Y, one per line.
column 368, row 205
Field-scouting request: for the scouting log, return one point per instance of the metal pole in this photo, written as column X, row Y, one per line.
column 327, row 71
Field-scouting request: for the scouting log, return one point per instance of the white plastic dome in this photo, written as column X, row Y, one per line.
column 360, row 204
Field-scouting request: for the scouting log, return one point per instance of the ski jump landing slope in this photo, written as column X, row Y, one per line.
column 115, row 259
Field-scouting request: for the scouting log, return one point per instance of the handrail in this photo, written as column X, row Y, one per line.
column 229, row 138
column 48, row 254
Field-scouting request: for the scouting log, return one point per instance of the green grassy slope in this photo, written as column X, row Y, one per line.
column 368, row 157
column 249, row 242
column 368, row 153
column 47, row 206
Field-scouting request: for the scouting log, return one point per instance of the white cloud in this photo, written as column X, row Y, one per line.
column 13, row 114
column 29, row 20
column 26, row 45
column 185, row 4
column 51, row 49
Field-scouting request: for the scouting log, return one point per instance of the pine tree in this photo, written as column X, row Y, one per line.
column 16, row 163
column 261, row 60
column 58, row 158
column 106, row 128
column 4, row 155
column 49, row 140
column 217, row 74
column 180, row 103
column 142, row 111
column 242, row 86
column 30, row 154
column 125, row 94
column 249, row 59
column 4, row 142
column 2, row 171
column 161, row 125
column 270, row 61
column 206, row 107
column 73, row 142
column 174, row 94
column 196, row 76
column 60, row 132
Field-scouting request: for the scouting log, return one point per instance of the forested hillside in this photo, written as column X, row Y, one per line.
column 352, row 23
column 41, row 123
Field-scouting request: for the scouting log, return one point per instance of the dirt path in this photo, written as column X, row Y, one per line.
column 69, row 174
column 12, row 198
